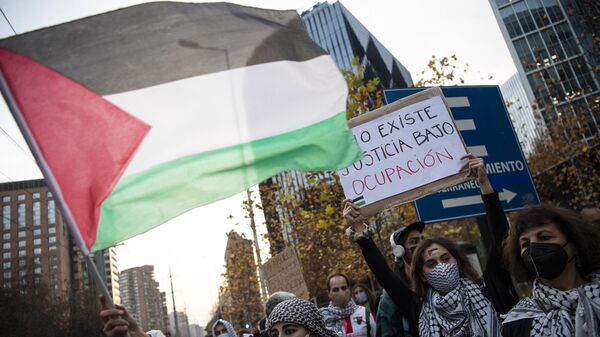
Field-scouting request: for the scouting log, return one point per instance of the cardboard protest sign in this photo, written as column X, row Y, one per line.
column 283, row 272
column 411, row 148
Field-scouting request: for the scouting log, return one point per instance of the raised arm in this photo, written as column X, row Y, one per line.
column 402, row 296
column 497, row 279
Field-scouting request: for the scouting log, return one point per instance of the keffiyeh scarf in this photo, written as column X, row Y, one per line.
column 465, row 311
column 575, row 312
column 334, row 316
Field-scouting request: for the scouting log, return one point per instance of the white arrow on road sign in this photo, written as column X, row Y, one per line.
column 505, row 195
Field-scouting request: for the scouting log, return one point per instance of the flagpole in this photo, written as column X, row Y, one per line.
column 54, row 188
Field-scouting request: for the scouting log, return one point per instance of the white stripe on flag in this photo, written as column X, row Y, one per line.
column 218, row 110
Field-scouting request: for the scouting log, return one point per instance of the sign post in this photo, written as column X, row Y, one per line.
column 481, row 117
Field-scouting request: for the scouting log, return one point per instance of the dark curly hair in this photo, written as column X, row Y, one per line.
column 464, row 266
column 577, row 230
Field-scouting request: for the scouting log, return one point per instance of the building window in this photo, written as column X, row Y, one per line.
column 524, row 16
column 537, row 48
column 563, row 31
column 21, row 215
column 22, row 253
column 35, row 195
column 52, row 248
column 21, row 197
column 6, row 236
column 6, row 265
column 21, row 234
column 37, row 232
column 22, row 243
column 551, row 40
column 6, row 217
column 36, row 213
column 22, row 263
column 37, row 251
column 510, row 21
column 6, row 198
column 51, row 230
column 22, row 273
column 6, row 255
column 37, row 242
column 37, row 270
column 538, row 12
column 524, row 54
column 7, row 274
column 49, row 195
column 6, row 245
column 37, row 261
column 554, row 12
column 51, row 212
column 52, row 240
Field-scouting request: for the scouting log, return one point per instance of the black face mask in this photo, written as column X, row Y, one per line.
column 545, row 260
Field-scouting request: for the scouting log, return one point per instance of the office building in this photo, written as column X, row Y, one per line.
column 197, row 331
column 333, row 27
column 522, row 117
column 36, row 246
column 336, row 30
column 555, row 56
column 106, row 262
column 183, row 324
column 141, row 296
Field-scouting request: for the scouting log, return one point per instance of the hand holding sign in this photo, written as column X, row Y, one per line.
column 352, row 214
column 475, row 169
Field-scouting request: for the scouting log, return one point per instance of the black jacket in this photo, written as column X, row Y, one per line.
column 496, row 279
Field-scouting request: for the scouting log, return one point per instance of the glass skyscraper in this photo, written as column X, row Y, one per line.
column 555, row 56
column 338, row 32
column 526, row 126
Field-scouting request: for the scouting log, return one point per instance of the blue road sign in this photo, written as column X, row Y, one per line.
column 481, row 117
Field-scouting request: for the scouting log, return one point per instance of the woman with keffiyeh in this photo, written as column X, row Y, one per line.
column 451, row 298
column 559, row 251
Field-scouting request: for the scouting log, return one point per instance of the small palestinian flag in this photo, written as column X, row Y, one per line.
column 149, row 111
column 360, row 201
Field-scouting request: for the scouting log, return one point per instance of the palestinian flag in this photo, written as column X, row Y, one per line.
column 149, row 111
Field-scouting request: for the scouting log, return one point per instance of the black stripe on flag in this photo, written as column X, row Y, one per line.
column 360, row 201
column 154, row 43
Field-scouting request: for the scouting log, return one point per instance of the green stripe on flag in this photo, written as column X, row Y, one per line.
column 145, row 200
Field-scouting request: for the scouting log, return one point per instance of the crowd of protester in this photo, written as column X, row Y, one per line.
column 432, row 290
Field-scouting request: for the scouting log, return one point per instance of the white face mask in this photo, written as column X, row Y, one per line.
column 361, row 297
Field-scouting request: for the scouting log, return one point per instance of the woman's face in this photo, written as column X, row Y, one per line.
column 435, row 254
column 357, row 291
column 548, row 233
column 288, row 330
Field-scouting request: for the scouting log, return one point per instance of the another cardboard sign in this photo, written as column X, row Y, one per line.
column 411, row 148
column 283, row 272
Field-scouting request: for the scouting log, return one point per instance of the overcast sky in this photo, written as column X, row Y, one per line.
column 194, row 243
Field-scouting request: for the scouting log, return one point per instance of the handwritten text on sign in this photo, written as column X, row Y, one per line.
column 408, row 148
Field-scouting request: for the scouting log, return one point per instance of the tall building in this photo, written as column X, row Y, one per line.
column 106, row 262
column 240, row 300
column 552, row 47
column 196, row 330
column 182, row 319
column 527, row 127
column 36, row 246
column 336, row 30
column 141, row 296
